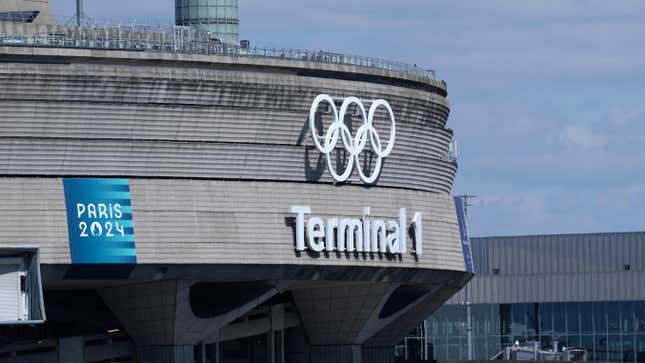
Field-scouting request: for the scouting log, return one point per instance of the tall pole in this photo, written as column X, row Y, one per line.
column 469, row 315
column 469, row 323
column 79, row 12
column 425, row 339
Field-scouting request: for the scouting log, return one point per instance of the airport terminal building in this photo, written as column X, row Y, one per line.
column 171, row 198
column 576, row 290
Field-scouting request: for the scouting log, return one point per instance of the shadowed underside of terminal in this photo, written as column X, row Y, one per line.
column 216, row 150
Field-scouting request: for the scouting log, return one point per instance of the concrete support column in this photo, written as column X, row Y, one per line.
column 165, row 354
column 218, row 352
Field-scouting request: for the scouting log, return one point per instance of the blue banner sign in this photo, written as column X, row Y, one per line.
column 99, row 221
column 463, row 232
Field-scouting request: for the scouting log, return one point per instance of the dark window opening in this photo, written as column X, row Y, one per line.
column 208, row 300
column 400, row 298
column 19, row 16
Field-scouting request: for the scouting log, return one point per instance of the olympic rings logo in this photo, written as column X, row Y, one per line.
column 353, row 145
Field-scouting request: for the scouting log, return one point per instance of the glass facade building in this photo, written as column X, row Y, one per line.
column 574, row 290
column 219, row 17
column 609, row 331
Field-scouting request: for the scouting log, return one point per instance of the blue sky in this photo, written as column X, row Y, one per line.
column 547, row 97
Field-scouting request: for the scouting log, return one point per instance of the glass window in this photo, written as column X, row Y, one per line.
column 494, row 321
column 454, row 349
column 440, row 348
column 414, row 349
column 614, row 348
column 440, row 319
column 573, row 341
column 600, row 318
column 640, row 349
column 505, row 341
column 627, row 317
column 639, row 316
column 600, row 348
column 586, row 342
column 479, row 348
column 546, row 319
column 628, row 348
column 454, row 322
column 463, row 347
column 518, row 328
column 532, row 320
column 562, row 342
column 546, row 342
column 483, row 320
column 639, row 311
column 573, row 319
column 559, row 320
column 492, row 346
column 505, row 318
column 586, row 317
column 613, row 317
column 432, row 329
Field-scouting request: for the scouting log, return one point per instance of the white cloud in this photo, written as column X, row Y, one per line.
column 621, row 116
column 580, row 136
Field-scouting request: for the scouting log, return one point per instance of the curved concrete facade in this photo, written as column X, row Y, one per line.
column 217, row 150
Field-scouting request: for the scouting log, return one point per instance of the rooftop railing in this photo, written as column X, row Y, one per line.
column 181, row 39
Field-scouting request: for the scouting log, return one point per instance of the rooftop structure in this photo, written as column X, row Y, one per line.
column 220, row 18
column 20, row 25
column 565, row 290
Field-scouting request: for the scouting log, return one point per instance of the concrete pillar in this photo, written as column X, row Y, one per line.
column 158, row 314
column 218, row 352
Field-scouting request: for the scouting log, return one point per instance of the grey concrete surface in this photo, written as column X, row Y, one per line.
column 217, row 151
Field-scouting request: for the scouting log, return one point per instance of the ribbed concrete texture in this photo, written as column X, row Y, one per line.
column 231, row 222
column 201, row 123
column 216, row 151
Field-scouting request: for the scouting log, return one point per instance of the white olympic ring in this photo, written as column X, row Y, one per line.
column 353, row 146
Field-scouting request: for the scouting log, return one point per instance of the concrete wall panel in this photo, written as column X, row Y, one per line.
column 199, row 222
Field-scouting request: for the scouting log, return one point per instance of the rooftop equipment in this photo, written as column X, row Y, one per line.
column 532, row 351
column 218, row 17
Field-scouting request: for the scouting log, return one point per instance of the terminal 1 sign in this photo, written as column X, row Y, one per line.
column 366, row 235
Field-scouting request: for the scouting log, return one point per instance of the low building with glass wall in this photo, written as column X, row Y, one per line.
column 578, row 290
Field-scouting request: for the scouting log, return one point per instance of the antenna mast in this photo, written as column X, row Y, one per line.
column 80, row 13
